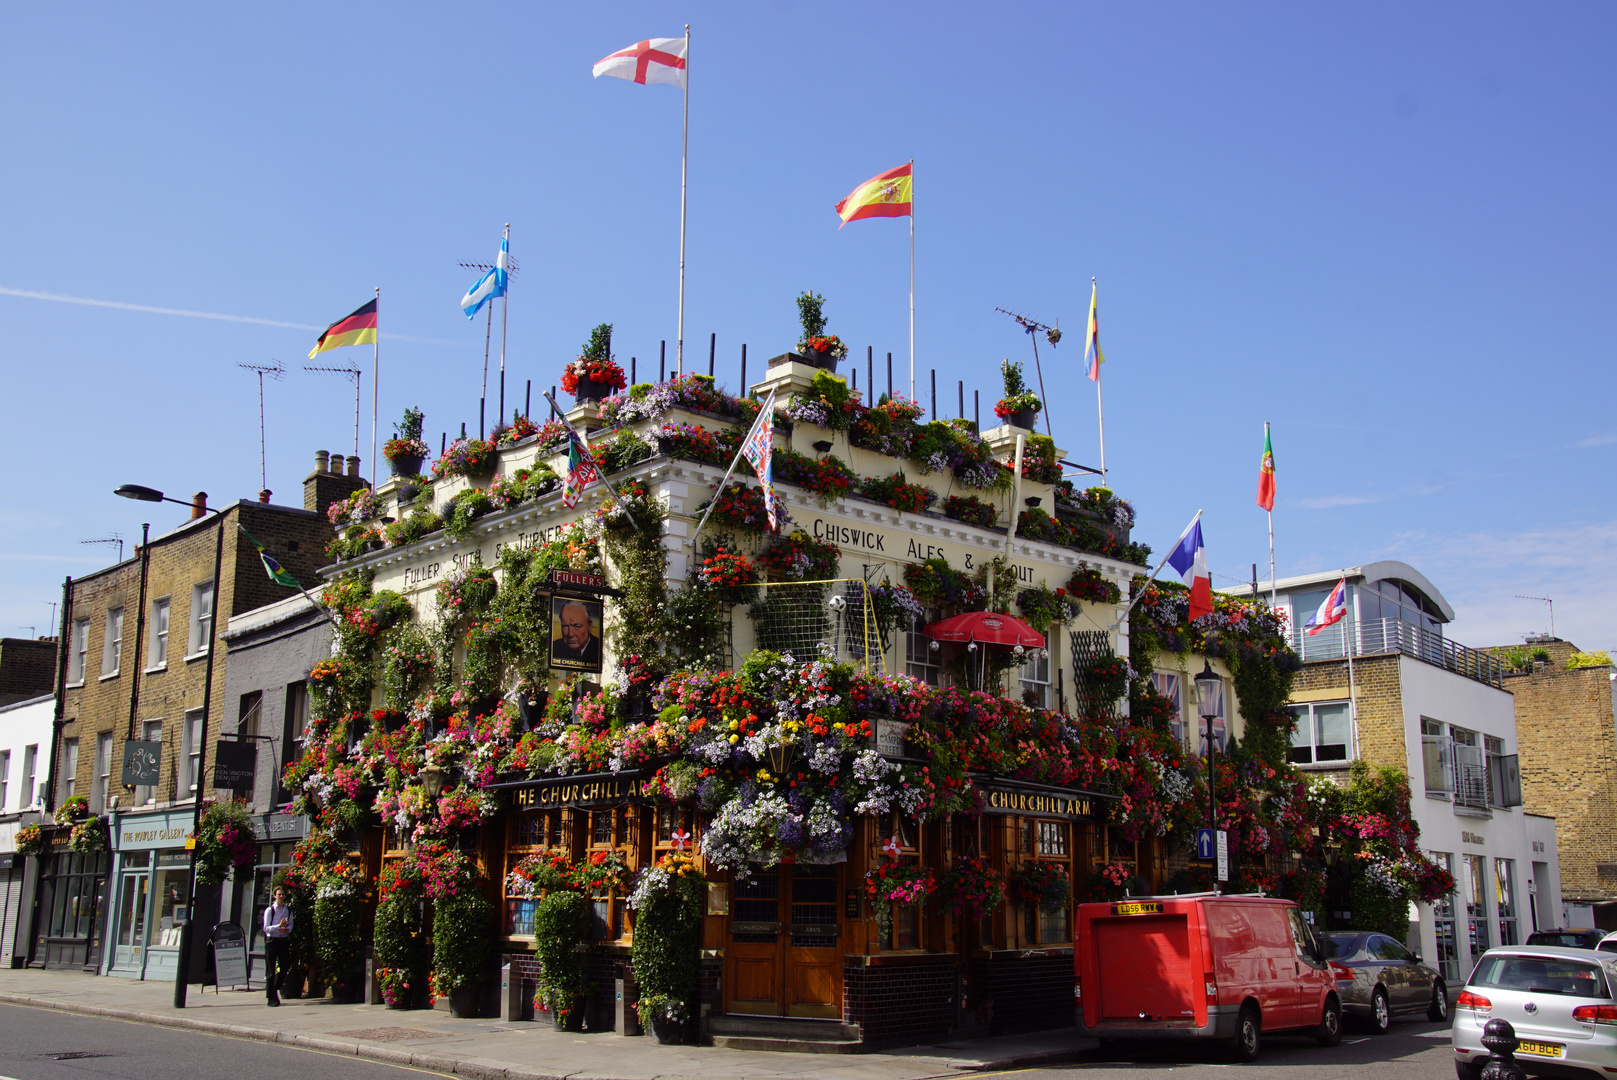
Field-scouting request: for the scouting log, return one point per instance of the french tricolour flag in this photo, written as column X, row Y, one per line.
column 1190, row 559
column 1331, row 611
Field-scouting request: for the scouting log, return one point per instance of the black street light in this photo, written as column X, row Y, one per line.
column 1210, row 704
column 146, row 494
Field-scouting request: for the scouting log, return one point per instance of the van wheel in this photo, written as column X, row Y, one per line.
column 1248, row 1035
column 1329, row 1032
column 1438, row 1011
column 1380, row 1012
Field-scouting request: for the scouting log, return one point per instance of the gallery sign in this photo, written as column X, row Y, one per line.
column 150, row 832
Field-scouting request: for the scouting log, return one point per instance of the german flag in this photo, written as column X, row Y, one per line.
column 356, row 329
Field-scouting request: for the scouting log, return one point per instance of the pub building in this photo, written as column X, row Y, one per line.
column 793, row 952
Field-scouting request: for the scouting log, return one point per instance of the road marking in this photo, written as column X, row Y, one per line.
column 1360, row 1039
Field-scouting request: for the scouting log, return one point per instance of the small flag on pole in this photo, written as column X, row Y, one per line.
column 890, row 194
column 1092, row 354
column 1331, row 611
column 759, row 450
column 272, row 566
column 1189, row 558
column 580, row 470
column 490, row 285
column 657, row 60
column 1266, row 473
column 358, row 328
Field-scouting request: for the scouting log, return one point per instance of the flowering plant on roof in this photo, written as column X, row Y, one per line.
column 465, row 457
column 1017, row 395
column 811, row 312
column 800, row 557
column 594, row 363
column 520, row 427
column 898, row 493
column 1039, row 461
column 827, row 403
column 693, row 442
column 971, row 510
column 827, row 477
column 360, row 507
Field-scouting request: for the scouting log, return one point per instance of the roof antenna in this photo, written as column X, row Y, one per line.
column 1033, row 328
column 115, row 538
column 352, row 374
column 1543, row 600
column 275, row 371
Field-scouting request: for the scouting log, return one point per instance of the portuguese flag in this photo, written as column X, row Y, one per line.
column 1266, row 473
column 888, row 195
column 356, row 329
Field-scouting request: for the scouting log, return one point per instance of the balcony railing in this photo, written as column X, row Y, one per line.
column 1377, row 636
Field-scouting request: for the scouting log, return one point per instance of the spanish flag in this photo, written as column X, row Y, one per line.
column 887, row 195
column 356, row 329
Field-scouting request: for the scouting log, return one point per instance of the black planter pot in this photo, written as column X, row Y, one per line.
column 590, row 390
column 532, row 711
column 823, row 360
column 574, row 1020
column 406, row 465
column 668, row 1032
column 463, row 1002
column 1025, row 418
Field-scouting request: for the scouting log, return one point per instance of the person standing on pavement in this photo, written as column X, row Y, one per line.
column 277, row 943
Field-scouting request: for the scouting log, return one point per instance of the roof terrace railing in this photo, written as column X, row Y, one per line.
column 1378, row 636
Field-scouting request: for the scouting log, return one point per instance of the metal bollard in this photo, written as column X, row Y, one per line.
column 1500, row 1039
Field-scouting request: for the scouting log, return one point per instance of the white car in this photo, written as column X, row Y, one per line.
column 1561, row 1002
column 1608, row 943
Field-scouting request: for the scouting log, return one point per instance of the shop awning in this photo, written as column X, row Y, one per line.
column 987, row 628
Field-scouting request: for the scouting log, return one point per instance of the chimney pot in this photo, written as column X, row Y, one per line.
column 336, row 462
column 320, row 459
column 264, row 496
column 353, row 465
column 199, row 504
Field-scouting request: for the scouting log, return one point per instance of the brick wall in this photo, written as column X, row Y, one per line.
column 1568, row 745
column 1379, row 693
column 27, row 668
column 1027, row 993
column 902, row 1003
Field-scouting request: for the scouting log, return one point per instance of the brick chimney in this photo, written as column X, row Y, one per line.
column 199, row 504
column 264, row 496
column 327, row 484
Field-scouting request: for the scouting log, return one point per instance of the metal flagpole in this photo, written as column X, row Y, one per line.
column 505, row 306
column 1100, row 408
column 684, row 155
column 912, row 279
column 765, row 413
column 1271, row 532
column 1347, row 648
column 488, row 336
column 376, row 375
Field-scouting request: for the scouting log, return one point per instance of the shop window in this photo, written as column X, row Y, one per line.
column 169, row 889
column 1322, row 735
column 1476, row 902
column 1034, row 678
column 676, row 832
column 1047, row 842
column 1505, row 897
column 900, row 839
column 921, row 660
column 1170, row 687
column 1448, row 957
column 611, row 831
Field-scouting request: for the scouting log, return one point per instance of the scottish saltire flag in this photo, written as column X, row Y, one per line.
column 1189, row 558
column 490, row 285
column 580, row 470
column 759, row 450
column 1331, row 612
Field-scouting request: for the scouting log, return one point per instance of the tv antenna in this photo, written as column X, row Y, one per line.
column 52, row 603
column 275, row 371
column 352, row 374
column 33, row 631
column 1033, row 328
column 115, row 538
column 1543, row 600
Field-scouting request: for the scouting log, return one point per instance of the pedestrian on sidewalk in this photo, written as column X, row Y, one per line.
column 277, row 943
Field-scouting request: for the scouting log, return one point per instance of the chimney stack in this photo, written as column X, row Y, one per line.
column 328, row 484
column 199, row 504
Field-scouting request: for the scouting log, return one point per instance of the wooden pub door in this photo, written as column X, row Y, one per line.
column 784, row 955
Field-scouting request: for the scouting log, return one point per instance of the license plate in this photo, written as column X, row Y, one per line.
column 1540, row 1049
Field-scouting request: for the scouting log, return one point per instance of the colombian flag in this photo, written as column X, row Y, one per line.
column 886, row 195
column 356, row 329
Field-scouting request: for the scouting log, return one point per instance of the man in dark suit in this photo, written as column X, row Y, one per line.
column 576, row 646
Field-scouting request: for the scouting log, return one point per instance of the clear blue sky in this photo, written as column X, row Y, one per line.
column 1386, row 228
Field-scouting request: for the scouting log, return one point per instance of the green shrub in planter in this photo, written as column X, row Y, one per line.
column 460, row 941
column 337, row 911
column 560, row 922
column 667, row 901
column 400, row 938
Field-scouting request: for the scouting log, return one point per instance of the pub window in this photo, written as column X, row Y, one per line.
column 1048, row 842
column 920, row 659
column 611, row 830
column 529, row 834
column 676, row 832
column 901, row 836
column 1034, row 677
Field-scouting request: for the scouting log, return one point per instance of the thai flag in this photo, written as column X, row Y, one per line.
column 1332, row 611
column 1189, row 558
column 759, row 450
column 490, row 285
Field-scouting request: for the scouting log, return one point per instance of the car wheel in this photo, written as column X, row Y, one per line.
column 1469, row 1070
column 1380, row 1012
column 1248, row 1034
column 1438, row 1011
column 1329, row 1032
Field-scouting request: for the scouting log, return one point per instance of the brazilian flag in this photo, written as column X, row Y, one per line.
column 276, row 571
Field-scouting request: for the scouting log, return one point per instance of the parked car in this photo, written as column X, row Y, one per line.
column 1234, row 968
column 1377, row 979
column 1608, row 943
column 1562, row 1003
column 1575, row 938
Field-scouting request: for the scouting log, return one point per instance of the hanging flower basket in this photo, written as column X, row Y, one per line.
column 1041, row 883
column 897, row 883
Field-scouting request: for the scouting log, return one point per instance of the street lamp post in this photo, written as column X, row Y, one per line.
column 1210, row 703
column 146, row 494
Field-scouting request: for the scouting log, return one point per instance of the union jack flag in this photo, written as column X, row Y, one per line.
column 580, row 470
column 759, row 450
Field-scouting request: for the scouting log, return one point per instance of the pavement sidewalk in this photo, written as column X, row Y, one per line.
column 501, row 1050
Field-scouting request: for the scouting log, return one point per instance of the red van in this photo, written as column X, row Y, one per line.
column 1203, row 967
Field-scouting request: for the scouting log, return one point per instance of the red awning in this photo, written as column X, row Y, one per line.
column 987, row 627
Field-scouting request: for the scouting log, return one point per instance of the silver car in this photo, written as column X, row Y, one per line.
column 1560, row 1001
column 1377, row 979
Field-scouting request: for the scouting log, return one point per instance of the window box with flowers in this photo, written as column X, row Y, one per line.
column 1020, row 406
column 594, row 374
column 405, row 451
column 741, row 507
column 895, row 882
column 465, row 457
column 971, row 510
column 897, row 492
column 827, row 477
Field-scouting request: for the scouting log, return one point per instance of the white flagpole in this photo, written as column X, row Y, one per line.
column 765, row 415
column 376, row 377
column 505, row 304
column 1154, row 573
column 1100, row 408
column 1272, row 600
column 684, row 155
column 1353, row 690
column 912, row 279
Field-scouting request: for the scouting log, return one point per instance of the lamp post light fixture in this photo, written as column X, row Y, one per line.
column 781, row 756
column 1210, row 704
column 433, row 778
column 141, row 493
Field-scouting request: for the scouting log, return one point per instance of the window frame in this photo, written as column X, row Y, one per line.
column 30, row 766
column 151, row 730
column 623, row 837
column 1034, row 836
column 5, row 777
column 1175, row 681
column 906, row 918
column 919, row 654
column 1042, row 689
column 99, row 781
column 190, row 754
column 78, row 658
column 200, row 637
column 157, row 647
column 1314, row 745
column 70, row 766
column 112, row 642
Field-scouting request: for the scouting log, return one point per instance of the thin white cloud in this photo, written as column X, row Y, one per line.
column 86, row 301
column 1606, row 439
column 1327, row 502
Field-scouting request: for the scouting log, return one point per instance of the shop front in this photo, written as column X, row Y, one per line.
column 277, row 834
column 150, row 870
column 72, row 891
